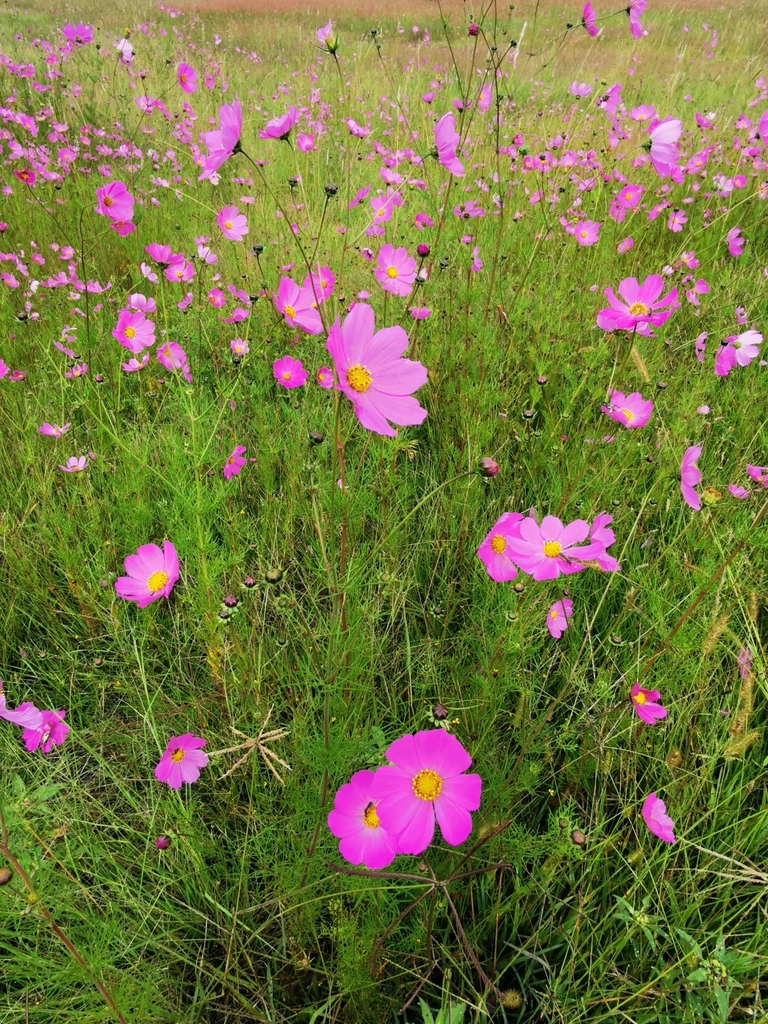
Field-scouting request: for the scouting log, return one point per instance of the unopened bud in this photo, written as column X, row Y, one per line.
column 440, row 712
column 162, row 842
column 273, row 575
column 473, row 29
column 487, row 467
column 422, row 250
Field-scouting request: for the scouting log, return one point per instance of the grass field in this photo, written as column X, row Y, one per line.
column 330, row 598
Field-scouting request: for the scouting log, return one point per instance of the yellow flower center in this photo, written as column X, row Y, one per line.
column 370, row 817
column 498, row 544
column 156, row 582
column 180, row 274
column 358, row 378
column 287, row 375
column 183, row 79
column 290, row 312
column 380, row 212
column 552, row 548
column 130, row 332
column 228, row 225
column 553, row 613
column 583, row 234
column 629, row 414
column 108, row 201
column 177, row 755
column 638, row 309
column 640, row 698
column 427, row 785
column 628, row 197
column 392, row 272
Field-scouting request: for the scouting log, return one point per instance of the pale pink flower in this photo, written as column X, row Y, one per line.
column 395, row 270
column 625, row 245
column 446, row 141
column 690, row 477
column 587, row 232
column 663, row 143
column 736, row 242
column 580, row 89
column 656, row 818
column 75, row 465
column 305, row 142
column 737, row 350
column 738, row 492
column 26, row 715
column 557, row 617
column 51, row 430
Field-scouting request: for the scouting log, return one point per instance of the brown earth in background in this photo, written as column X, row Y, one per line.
column 412, row 10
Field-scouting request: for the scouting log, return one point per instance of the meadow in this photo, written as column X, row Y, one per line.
column 383, row 513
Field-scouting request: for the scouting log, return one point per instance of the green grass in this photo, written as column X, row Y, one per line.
column 383, row 608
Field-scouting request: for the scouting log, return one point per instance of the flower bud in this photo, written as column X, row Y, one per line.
column 440, row 712
column 229, row 601
column 5, row 876
column 249, row 582
column 578, row 838
column 273, row 575
column 473, row 29
column 487, row 467
column 162, row 842
column 422, row 250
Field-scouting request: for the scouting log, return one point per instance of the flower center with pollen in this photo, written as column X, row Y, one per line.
column 392, row 272
column 177, row 755
column 156, row 582
column 427, row 785
column 108, row 201
column 228, row 225
column 552, row 548
column 640, row 698
column 628, row 414
column 370, row 817
column 130, row 332
column 290, row 312
column 498, row 544
column 358, row 378
column 638, row 309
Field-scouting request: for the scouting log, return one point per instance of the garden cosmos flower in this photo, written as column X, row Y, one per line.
column 298, row 306
column 557, row 617
column 642, row 304
column 186, row 76
column 355, row 822
column 115, row 201
column 690, row 477
column 758, row 473
column 645, row 703
column 446, row 141
column 75, row 465
column 589, row 19
column 426, row 782
column 280, row 127
column 663, row 145
column 26, row 715
column 289, row 372
column 656, row 818
column 737, row 350
column 395, row 270
column 181, row 761
column 152, row 572
column 631, row 410
column 233, row 224
column 224, row 141
column 235, row 462
column 373, row 375
column 494, row 551
column 51, row 430
column 545, row 551
column 50, row 733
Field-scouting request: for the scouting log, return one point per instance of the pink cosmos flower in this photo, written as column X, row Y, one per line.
column 656, row 818
column 738, row 492
column 426, row 781
column 545, row 551
column 321, row 284
column 233, row 225
column 280, row 127
column 587, row 232
column 395, row 270
column 589, row 19
column 477, row 263
column 235, row 462
column 225, row 140
column 632, row 410
column 372, row 373
column 152, row 573
column 663, row 143
column 625, row 245
column 356, row 129
column 115, row 201
column 171, row 355
column 355, row 821
column 645, row 112
column 141, row 302
column 49, row 734
column 298, row 306
column 180, row 271
column 325, row 377
column 420, row 312
column 599, row 531
column 305, row 142
column 636, row 10
column 78, row 370
column 327, row 38
column 181, row 760
column 494, row 551
column 186, row 76
column 676, row 221
column 580, row 89
column 133, row 365
column 134, row 331
column 239, row 347
column 289, row 372
column 736, row 242
column 26, row 715
column 78, row 34
column 557, row 617
column 645, row 703
column 690, row 477
column 446, row 141
column 640, row 302
column 737, row 350
column 51, row 430
column 217, row 298
column 75, row 465
column 758, row 473
column 162, row 255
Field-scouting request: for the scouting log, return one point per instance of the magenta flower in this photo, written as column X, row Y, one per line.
column 325, row 377
column 738, row 492
column 446, row 141
column 762, row 128
column 494, row 551
column 600, row 533
column 49, row 734
column 305, row 142
column 78, row 370
column 320, row 284
column 625, row 245
column 395, row 270
column 758, row 473
column 326, row 37
column 186, row 76
column 26, row 715
column 636, row 10
column 587, row 232
column 172, row 356
column 736, row 242
column 545, row 551
column 233, row 225
column 235, row 462
column 641, row 305
column 51, row 430
column 420, row 312
column 225, row 140
column 239, row 347
column 289, row 372
column 737, row 350
column 134, row 331
column 78, row 34
column 663, row 144
column 280, row 127
column 115, row 201
column 645, row 703
column 181, row 761
column 180, row 271
column 632, row 410
column 162, row 255
column 426, row 782
column 298, row 306
column 75, row 465
column 557, row 617
column 133, row 365
column 152, row 573
column 690, row 477
column 355, row 821
column 589, row 19
column 372, row 373
column 656, row 818
column 676, row 221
